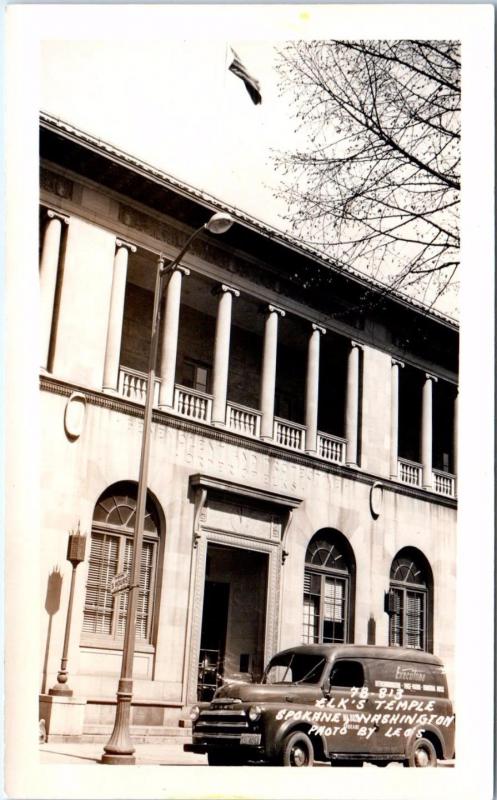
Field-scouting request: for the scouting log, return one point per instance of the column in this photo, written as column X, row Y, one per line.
column 268, row 379
column 49, row 266
column 114, row 330
column 167, row 369
column 312, row 389
column 222, row 353
column 427, row 431
column 352, row 406
column 394, row 419
column 455, row 429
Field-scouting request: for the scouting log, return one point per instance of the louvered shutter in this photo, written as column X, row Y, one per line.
column 102, row 567
column 414, row 620
column 144, row 600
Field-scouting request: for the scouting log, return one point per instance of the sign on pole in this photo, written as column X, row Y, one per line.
column 119, row 582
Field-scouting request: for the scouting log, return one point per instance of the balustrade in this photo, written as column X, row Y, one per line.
column 192, row 404
column 410, row 472
column 331, row 448
column 133, row 385
column 243, row 420
column 289, row 434
column 445, row 483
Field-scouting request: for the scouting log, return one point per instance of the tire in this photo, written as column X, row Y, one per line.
column 224, row 758
column 423, row 754
column 297, row 751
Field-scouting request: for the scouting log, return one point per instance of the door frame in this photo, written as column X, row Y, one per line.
column 273, row 551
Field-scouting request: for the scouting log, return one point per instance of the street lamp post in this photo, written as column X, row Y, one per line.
column 75, row 554
column 119, row 749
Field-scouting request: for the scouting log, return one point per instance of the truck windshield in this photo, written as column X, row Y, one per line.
column 294, row 668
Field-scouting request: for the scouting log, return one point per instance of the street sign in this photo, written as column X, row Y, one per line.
column 119, row 582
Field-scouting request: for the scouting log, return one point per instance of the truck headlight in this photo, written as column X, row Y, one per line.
column 254, row 713
column 194, row 713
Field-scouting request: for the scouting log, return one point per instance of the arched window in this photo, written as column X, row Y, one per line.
column 328, row 589
column 110, row 554
column 410, row 600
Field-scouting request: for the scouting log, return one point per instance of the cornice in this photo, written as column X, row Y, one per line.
column 122, row 406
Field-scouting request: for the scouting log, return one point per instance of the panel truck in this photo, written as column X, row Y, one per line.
column 345, row 704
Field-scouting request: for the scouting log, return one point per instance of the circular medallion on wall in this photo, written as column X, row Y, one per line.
column 376, row 499
column 74, row 415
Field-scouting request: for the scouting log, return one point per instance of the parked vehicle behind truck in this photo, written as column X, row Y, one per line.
column 345, row 704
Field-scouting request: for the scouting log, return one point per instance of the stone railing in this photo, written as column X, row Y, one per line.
column 331, row 448
column 133, row 385
column 444, row 483
column 289, row 434
column 192, row 404
column 410, row 472
column 242, row 419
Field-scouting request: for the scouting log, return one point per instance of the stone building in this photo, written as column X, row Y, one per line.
column 302, row 482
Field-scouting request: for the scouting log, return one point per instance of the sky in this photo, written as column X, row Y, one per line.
column 178, row 107
column 161, row 91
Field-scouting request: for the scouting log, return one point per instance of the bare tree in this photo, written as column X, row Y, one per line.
column 377, row 183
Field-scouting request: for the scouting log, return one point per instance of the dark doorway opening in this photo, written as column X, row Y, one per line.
column 234, row 618
column 213, row 638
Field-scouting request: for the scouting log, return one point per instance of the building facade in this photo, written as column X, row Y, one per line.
column 302, row 482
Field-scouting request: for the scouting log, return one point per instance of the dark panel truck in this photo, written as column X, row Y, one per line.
column 345, row 704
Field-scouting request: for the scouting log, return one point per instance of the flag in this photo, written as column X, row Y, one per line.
column 251, row 84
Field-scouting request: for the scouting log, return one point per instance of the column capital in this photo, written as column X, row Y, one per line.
column 318, row 328
column 359, row 345
column 430, row 377
column 51, row 214
column 272, row 310
column 179, row 268
column 222, row 288
column 121, row 243
column 396, row 362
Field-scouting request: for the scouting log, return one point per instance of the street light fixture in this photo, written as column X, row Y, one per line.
column 119, row 749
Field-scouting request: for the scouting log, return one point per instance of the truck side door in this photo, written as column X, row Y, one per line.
column 348, row 699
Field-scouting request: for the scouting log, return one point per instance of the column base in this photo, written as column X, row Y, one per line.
column 352, row 464
column 111, row 391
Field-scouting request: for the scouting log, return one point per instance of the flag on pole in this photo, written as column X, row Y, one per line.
column 251, row 84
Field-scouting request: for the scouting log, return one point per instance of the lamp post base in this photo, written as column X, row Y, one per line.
column 114, row 758
column 60, row 690
column 119, row 749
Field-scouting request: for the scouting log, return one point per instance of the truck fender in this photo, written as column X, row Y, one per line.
column 278, row 731
column 419, row 730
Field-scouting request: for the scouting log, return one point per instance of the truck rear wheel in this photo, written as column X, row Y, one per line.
column 297, row 750
column 423, row 754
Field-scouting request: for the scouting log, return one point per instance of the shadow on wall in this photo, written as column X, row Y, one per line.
column 52, row 605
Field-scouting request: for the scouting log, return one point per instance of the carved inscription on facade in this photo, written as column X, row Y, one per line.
column 242, row 519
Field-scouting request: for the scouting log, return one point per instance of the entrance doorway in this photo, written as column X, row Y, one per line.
column 234, row 617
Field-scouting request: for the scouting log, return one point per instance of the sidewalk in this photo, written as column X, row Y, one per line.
column 91, row 753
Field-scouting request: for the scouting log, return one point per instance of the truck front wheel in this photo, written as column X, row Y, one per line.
column 297, row 750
